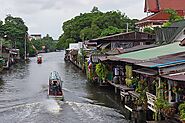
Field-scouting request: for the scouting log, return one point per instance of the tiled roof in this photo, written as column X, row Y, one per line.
column 158, row 5
column 159, row 17
column 151, row 6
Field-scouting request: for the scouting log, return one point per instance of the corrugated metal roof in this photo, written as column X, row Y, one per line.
column 111, row 58
column 139, row 47
column 115, row 51
column 164, row 61
column 155, row 52
column 132, row 49
column 105, row 45
column 146, row 71
column 116, row 36
column 169, row 34
column 166, row 34
column 176, row 76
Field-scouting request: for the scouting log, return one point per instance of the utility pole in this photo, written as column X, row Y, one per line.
column 127, row 26
column 25, row 46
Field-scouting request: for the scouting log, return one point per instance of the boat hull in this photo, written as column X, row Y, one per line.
column 55, row 86
column 61, row 98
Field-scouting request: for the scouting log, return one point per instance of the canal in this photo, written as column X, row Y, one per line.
column 23, row 95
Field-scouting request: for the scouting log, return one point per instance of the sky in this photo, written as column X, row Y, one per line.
column 47, row 16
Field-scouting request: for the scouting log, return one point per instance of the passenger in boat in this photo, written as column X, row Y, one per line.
column 55, row 88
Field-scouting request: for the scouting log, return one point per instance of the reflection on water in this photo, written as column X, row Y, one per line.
column 1, row 84
column 23, row 94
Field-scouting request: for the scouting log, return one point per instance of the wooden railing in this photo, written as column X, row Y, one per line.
column 151, row 100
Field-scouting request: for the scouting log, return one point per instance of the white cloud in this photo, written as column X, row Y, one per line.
column 47, row 16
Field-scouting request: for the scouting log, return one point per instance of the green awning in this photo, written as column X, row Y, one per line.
column 154, row 52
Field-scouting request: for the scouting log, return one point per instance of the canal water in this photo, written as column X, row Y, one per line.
column 23, row 95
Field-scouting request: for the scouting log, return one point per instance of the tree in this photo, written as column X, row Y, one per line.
column 173, row 17
column 15, row 31
column 49, row 43
column 46, row 43
column 93, row 25
column 1, row 29
column 95, row 9
column 90, row 33
column 110, row 31
column 149, row 30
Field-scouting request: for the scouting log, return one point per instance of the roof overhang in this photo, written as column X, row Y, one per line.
column 146, row 71
column 150, row 21
column 176, row 77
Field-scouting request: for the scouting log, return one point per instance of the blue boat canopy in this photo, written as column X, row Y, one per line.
column 54, row 76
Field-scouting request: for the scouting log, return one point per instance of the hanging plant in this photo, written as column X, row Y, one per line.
column 101, row 71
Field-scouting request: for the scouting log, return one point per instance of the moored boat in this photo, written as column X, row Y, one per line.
column 55, row 86
column 39, row 59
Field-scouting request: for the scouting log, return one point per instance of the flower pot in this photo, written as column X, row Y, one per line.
column 168, row 112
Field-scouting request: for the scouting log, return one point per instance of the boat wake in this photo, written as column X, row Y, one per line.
column 95, row 113
column 20, row 112
column 53, row 106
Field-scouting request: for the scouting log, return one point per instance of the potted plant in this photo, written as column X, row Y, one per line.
column 168, row 111
column 164, row 107
column 182, row 111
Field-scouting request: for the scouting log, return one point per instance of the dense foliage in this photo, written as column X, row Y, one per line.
column 13, row 32
column 45, row 44
column 92, row 25
column 182, row 111
column 173, row 17
column 101, row 71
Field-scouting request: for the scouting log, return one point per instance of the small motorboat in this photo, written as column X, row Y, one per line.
column 39, row 59
column 55, row 86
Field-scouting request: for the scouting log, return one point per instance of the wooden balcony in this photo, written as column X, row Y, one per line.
column 151, row 101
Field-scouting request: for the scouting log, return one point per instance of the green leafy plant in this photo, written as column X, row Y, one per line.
column 181, row 109
column 101, row 71
column 160, row 103
column 141, row 89
column 132, row 81
column 164, row 107
column 128, row 75
column 128, row 82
